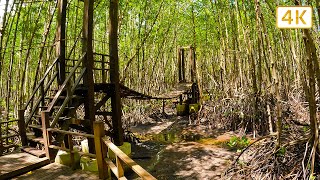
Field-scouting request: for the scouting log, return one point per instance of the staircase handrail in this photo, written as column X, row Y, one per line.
column 65, row 83
column 41, row 82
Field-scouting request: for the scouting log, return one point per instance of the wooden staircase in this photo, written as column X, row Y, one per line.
column 53, row 106
column 59, row 103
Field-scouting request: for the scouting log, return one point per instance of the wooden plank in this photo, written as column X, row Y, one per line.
column 33, row 151
column 70, row 133
column 35, row 139
column 128, row 161
column 57, row 172
column 16, row 164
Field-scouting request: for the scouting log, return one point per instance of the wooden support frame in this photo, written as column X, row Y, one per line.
column 102, row 102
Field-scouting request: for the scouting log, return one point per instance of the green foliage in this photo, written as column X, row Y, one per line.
column 286, row 127
column 281, row 151
column 306, row 128
column 237, row 143
column 312, row 177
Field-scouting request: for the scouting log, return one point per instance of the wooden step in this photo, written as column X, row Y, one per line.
column 37, row 116
column 35, row 126
column 34, row 151
column 35, row 139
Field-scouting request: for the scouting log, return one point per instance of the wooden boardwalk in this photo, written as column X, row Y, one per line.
column 15, row 164
column 26, row 166
column 57, row 172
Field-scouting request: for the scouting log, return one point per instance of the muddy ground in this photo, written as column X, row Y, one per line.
column 173, row 147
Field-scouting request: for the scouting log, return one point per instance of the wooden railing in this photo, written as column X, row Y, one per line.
column 47, row 131
column 5, row 142
column 102, row 145
column 42, row 89
column 41, row 83
column 101, row 68
column 70, row 90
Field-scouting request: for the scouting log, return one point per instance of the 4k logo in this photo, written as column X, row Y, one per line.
column 294, row 17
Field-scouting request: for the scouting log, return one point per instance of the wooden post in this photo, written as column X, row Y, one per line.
column 61, row 43
column 180, row 71
column 70, row 144
column 119, row 167
column 179, row 65
column 103, row 69
column 22, row 128
column 192, row 63
column 88, row 62
column 114, row 72
column 46, row 134
column 183, row 72
column 100, row 150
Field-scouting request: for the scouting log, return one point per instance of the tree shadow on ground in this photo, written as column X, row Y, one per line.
column 191, row 160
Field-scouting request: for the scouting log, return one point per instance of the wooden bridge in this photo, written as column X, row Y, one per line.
column 69, row 99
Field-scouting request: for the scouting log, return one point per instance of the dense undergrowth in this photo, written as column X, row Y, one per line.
column 259, row 157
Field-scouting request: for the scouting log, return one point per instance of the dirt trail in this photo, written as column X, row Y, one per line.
column 192, row 160
column 173, row 149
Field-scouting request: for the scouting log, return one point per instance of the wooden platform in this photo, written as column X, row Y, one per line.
column 57, row 171
column 15, row 164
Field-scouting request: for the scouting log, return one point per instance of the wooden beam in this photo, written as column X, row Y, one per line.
column 102, row 102
column 114, row 72
column 88, row 62
column 61, row 42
